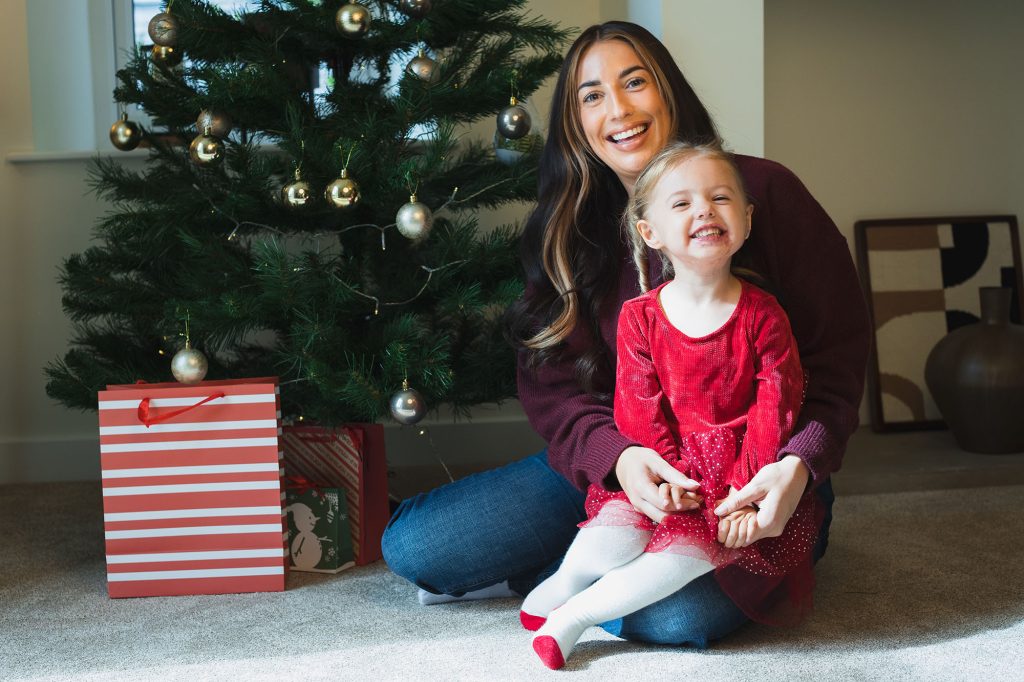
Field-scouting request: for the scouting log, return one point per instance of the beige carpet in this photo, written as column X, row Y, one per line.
column 916, row 586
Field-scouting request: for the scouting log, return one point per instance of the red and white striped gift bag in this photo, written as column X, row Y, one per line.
column 349, row 457
column 192, row 502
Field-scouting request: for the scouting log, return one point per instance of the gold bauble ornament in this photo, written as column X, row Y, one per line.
column 414, row 220
column 415, row 8
column 296, row 194
column 163, row 29
column 165, row 55
column 125, row 135
column 206, row 150
column 343, row 192
column 424, row 68
column 189, row 365
column 407, row 406
column 513, row 120
column 353, row 20
column 218, row 122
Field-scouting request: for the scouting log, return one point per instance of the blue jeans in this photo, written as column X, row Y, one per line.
column 515, row 523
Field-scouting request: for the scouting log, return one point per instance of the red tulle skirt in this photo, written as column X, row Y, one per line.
column 771, row 581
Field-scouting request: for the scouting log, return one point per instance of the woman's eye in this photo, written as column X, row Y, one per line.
column 590, row 97
column 635, row 82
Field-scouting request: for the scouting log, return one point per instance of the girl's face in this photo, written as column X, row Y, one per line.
column 698, row 216
column 624, row 117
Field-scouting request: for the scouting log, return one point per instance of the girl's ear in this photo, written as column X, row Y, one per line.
column 750, row 217
column 647, row 234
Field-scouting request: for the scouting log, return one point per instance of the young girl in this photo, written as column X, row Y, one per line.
column 708, row 375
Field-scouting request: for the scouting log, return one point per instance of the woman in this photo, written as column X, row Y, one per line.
column 618, row 100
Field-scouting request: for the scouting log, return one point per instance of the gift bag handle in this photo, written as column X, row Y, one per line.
column 145, row 416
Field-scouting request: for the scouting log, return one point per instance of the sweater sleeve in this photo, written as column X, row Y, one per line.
column 583, row 442
column 779, row 383
column 639, row 397
column 828, row 314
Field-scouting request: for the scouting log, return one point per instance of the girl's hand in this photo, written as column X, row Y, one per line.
column 737, row 529
column 641, row 471
column 776, row 489
column 678, row 498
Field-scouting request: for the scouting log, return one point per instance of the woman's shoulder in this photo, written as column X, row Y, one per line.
column 760, row 174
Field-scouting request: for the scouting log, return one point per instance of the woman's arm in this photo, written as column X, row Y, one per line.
column 806, row 255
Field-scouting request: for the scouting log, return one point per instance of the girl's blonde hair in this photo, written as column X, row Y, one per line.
column 636, row 210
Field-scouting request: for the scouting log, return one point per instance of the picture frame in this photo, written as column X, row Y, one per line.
column 921, row 278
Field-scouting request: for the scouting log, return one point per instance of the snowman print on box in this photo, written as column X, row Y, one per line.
column 318, row 534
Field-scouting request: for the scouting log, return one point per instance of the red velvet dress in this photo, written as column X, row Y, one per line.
column 718, row 408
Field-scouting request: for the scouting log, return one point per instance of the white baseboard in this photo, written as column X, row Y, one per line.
column 494, row 435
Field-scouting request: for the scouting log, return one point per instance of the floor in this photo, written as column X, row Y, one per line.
column 874, row 463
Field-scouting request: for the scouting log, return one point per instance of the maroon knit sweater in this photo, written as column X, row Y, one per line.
column 800, row 250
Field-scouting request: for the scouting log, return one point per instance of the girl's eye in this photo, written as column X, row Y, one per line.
column 681, row 204
column 721, row 197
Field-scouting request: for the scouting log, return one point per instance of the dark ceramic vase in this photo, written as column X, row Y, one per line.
column 976, row 375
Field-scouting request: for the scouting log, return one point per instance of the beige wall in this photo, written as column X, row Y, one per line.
column 890, row 109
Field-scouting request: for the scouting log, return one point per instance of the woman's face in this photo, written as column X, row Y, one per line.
column 624, row 117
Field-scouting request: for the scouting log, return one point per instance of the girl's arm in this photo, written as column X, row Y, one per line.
column 639, row 398
column 778, row 391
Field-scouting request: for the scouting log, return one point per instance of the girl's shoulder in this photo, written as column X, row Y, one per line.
column 759, row 301
column 644, row 304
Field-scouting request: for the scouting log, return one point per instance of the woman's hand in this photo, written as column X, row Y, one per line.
column 641, row 471
column 776, row 489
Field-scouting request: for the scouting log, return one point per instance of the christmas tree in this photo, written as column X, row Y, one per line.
column 322, row 232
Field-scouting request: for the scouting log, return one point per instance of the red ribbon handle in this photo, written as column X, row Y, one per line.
column 145, row 414
column 301, row 485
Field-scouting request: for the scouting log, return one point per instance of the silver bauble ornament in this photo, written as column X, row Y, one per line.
column 343, row 192
column 189, row 365
column 414, row 220
column 163, row 29
column 218, row 122
column 415, row 8
column 296, row 194
column 206, row 150
column 353, row 20
column 125, row 135
column 424, row 68
column 165, row 55
column 513, row 120
column 407, row 405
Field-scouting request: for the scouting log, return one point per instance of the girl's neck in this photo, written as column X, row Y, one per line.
column 699, row 306
column 703, row 288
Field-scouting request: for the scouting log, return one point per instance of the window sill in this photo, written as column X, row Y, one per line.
column 72, row 155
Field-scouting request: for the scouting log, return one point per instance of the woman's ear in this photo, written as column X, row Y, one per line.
column 647, row 234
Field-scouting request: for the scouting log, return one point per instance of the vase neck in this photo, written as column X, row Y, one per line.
column 995, row 305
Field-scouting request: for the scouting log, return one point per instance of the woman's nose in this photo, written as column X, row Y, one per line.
column 619, row 104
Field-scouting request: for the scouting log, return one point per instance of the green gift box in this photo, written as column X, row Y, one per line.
column 319, row 537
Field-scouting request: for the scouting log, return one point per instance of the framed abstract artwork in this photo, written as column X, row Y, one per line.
column 921, row 278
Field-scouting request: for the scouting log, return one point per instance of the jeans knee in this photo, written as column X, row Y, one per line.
column 394, row 545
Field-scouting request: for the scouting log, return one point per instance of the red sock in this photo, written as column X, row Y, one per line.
column 547, row 648
column 531, row 623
